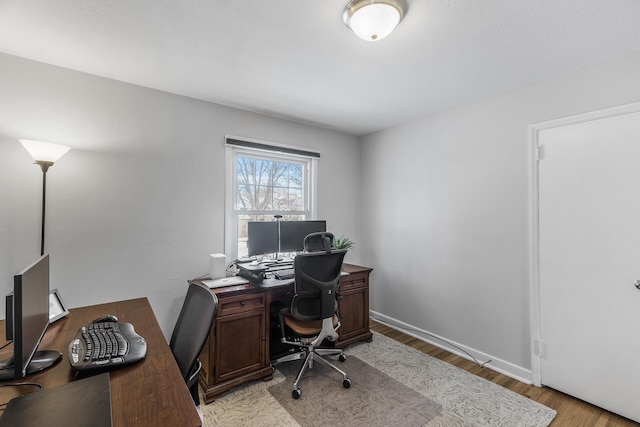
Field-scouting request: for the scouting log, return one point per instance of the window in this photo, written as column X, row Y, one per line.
column 264, row 180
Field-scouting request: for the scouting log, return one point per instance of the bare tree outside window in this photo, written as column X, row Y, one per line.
column 264, row 188
column 267, row 185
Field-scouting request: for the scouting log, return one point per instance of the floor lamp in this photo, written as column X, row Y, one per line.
column 44, row 154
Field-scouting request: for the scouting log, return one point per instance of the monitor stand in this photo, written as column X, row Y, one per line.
column 40, row 361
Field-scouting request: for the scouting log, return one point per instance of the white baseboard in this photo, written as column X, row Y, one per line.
column 509, row 369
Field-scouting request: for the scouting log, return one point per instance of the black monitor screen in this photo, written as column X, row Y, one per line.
column 30, row 312
column 262, row 237
column 292, row 233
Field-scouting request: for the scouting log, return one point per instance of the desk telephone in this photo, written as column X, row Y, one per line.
column 256, row 272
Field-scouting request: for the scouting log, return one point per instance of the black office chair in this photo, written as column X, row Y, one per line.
column 191, row 332
column 312, row 318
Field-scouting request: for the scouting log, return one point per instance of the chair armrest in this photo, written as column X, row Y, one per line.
column 281, row 313
column 339, row 297
column 193, row 378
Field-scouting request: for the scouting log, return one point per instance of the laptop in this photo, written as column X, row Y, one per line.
column 80, row 403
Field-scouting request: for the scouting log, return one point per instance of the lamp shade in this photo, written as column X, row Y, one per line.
column 373, row 20
column 44, row 151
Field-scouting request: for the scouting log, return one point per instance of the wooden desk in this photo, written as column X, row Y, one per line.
column 237, row 349
column 149, row 393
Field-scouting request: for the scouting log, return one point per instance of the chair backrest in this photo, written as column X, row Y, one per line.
column 317, row 275
column 193, row 326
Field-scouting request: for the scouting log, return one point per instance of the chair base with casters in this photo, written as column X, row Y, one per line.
column 309, row 336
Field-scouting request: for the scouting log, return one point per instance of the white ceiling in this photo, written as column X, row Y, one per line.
column 296, row 59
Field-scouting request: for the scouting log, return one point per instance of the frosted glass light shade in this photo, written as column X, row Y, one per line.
column 44, row 151
column 373, row 20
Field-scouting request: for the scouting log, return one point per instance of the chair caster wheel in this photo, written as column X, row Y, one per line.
column 342, row 358
column 346, row 383
column 297, row 393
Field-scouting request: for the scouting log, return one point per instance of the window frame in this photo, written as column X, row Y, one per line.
column 235, row 146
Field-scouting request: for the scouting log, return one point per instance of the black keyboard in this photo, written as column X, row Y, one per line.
column 284, row 274
column 102, row 345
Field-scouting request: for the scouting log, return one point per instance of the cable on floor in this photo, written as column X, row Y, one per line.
column 421, row 332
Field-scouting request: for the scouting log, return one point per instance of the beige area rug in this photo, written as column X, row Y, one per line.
column 466, row 400
column 374, row 398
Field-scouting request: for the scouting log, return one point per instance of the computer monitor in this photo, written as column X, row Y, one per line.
column 27, row 321
column 292, row 233
column 262, row 237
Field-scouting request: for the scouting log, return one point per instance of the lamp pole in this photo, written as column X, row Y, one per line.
column 44, row 165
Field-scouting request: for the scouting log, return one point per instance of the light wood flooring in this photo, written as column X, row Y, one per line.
column 571, row 411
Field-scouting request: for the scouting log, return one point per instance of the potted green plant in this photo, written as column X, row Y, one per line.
column 343, row 242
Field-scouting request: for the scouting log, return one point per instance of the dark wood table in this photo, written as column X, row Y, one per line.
column 149, row 393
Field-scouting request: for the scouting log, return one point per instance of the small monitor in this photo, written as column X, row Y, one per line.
column 262, row 237
column 29, row 321
column 292, row 233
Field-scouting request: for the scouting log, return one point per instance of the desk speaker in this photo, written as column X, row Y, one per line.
column 217, row 266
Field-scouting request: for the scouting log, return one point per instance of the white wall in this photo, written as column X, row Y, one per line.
column 137, row 205
column 446, row 203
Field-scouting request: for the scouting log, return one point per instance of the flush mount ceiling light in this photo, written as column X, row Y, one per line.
column 373, row 20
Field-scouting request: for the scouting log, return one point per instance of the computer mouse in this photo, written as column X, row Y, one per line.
column 107, row 318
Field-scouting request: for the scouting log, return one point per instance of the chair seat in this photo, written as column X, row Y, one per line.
column 306, row 328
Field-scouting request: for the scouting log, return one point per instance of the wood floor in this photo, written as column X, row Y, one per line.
column 572, row 412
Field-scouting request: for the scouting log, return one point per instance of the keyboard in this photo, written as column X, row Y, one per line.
column 284, row 274
column 103, row 345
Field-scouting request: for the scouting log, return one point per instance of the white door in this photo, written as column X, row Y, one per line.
column 589, row 260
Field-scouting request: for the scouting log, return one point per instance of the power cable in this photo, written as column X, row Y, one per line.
column 421, row 332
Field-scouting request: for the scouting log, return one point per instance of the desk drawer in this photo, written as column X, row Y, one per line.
column 354, row 280
column 241, row 303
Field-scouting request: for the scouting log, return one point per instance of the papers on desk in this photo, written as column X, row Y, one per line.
column 225, row 281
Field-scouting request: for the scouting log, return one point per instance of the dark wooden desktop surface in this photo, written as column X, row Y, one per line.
column 149, row 393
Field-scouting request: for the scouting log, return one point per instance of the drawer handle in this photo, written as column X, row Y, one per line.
column 242, row 303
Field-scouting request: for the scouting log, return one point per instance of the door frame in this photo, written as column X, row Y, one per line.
column 535, row 155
